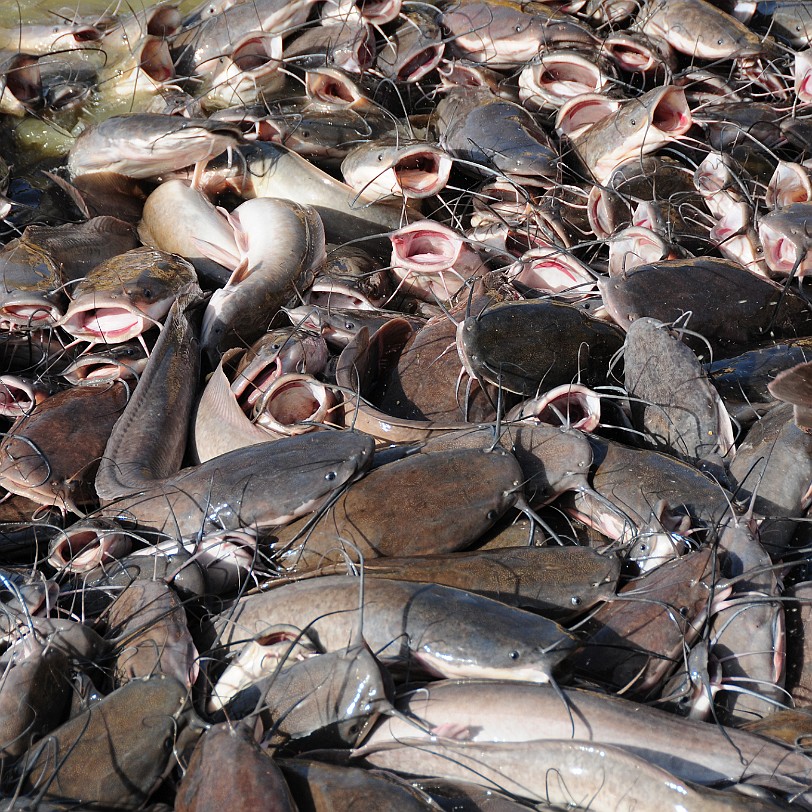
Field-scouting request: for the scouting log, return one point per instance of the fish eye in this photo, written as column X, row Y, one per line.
column 514, row 655
column 380, row 156
column 276, row 346
column 305, row 133
column 519, row 29
column 349, row 325
column 491, row 515
column 330, row 476
column 633, row 122
column 720, row 41
column 146, row 293
column 575, row 600
column 683, row 610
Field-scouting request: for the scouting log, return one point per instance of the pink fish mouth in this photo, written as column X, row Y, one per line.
column 426, row 250
column 422, row 173
column 156, row 61
column 629, row 56
column 570, row 405
column 33, row 315
column 577, row 115
column 294, row 404
column 108, row 324
column 84, row 549
column 552, row 270
column 376, row 12
column 421, row 63
column 329, row 87
column 251, row 390
column 17, row 397
column 780, row 253
column 258, row 53
column 671, row 114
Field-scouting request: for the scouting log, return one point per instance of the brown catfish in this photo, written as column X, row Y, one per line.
column 429, row 383
column 447, row 500
column 493, row 711
column 361, row 363
column 518, row 345
column 139, row 477
column 636, row 641
column 51, row 454
column 730, row 306
column 556, row 581
column 227, row 766
column 441, row 629
column 149, row 624
column 321, row 787
column 639, row 127
column 554, row 772
column 114, row 753
column 279, row 245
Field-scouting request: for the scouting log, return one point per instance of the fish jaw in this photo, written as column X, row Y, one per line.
column 110, row 319
column 29, row 312
column 662, row 117
column 433, row 258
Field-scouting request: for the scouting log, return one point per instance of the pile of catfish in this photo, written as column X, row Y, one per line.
column 407, row 406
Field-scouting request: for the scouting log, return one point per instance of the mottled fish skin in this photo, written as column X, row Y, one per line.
column 430, row 624
column 486, row 131
column 673, row 400
column 114, row 753
column 503, row 345
column 706, row 287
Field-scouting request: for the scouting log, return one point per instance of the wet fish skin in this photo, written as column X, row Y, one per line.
column 114, row 753
column 642, row 292
column 470, row 488
column 487, row 131
column 275, row 171
column 322, row 787
column 141, row 145
column 699, row 29
column 43, row 456
column 281, row 243
column 556, row 581
column 686, row 416
column 149, row 626
column 438, row 630
column 511, row 345
column 325, row 700
column 492, row 711
column 605, row 777
column 227, row 764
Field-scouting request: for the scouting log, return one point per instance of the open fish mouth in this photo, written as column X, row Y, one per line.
column 109, row 324
column 671, row 114
column 422, row 173
column 82, row 549
column 421, row 63
column 34, row 315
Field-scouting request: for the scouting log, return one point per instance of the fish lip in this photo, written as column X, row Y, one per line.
column 422, row 63
column 422, row 182
column 671, row 113
column 571, row 108
column 77, row 319
column 17, row 397
column 93, row 548
column 32, row 312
